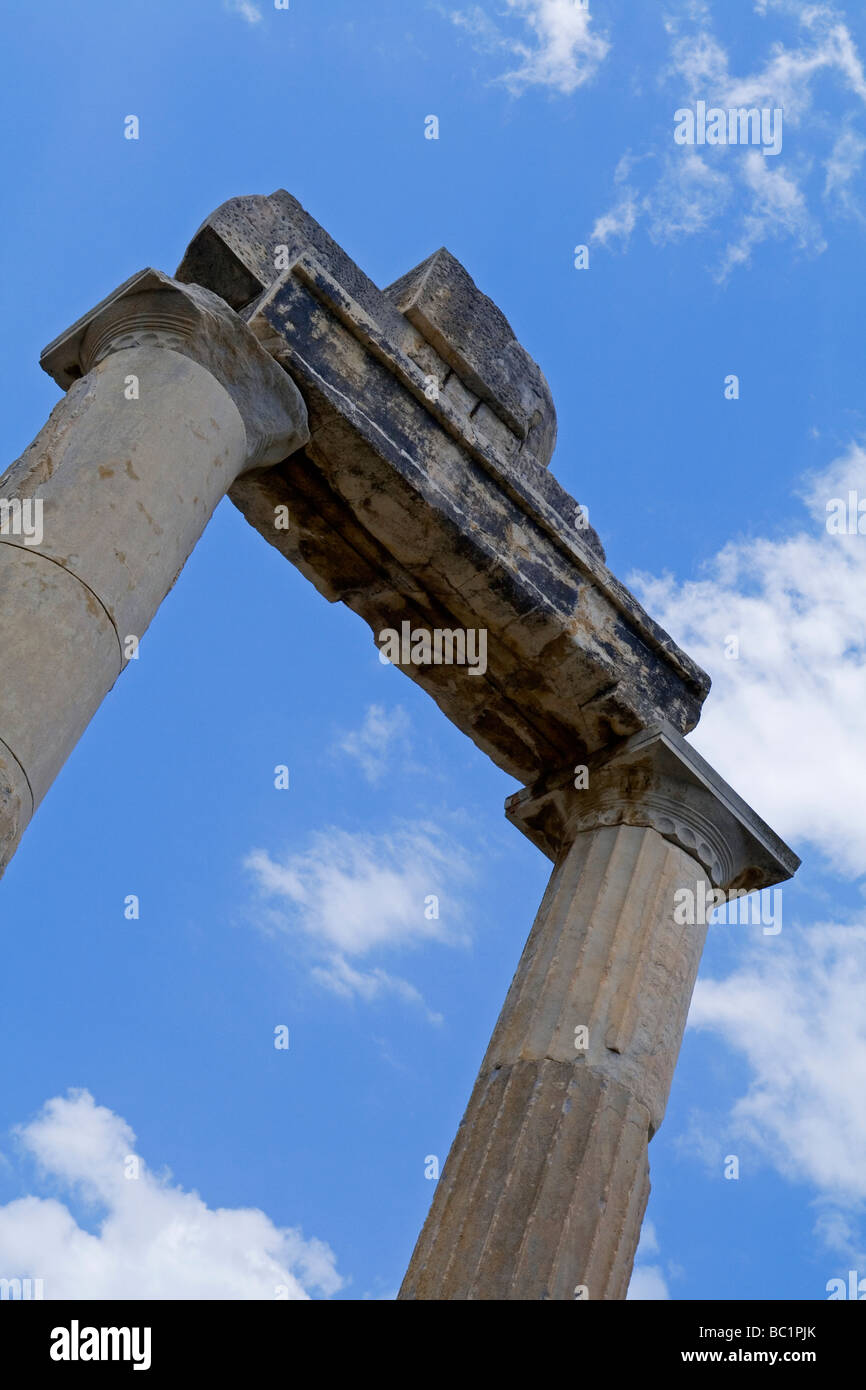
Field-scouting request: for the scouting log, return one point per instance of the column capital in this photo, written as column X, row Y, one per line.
column 151, row 309
column 656, row 779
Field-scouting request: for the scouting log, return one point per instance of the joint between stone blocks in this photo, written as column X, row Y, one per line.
column 151, row 309
column 657, row 780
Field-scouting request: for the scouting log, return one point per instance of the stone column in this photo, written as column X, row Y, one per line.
column 170, row 398
column 546, row 1184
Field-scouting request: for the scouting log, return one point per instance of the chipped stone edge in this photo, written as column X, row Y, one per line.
column 656, row 779
column 151, row 306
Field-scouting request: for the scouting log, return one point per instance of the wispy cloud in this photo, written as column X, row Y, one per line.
column 647, row 1281
column 561, row 50
column 794, row 1012
column 734, row 192
column 154, row 1241
column 382, row 733
column 352, row 897
column 246, row 9
column 786, row 723
column 842, row 168
column 777, row 210
column 618, row 223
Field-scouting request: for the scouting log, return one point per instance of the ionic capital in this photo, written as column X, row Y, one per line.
column 152, row 310
column 657, row 780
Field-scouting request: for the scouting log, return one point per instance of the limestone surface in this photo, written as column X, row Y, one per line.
column 170, row 397
column 424, row 492
column 545, row 1187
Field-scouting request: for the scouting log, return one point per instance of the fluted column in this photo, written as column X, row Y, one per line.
column 544, row 1191
column 170, row 398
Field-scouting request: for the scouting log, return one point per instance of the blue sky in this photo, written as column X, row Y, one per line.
column 556, row 130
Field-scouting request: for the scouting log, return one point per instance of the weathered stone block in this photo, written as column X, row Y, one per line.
column 411, row 503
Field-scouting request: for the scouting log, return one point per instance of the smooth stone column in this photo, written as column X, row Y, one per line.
column 546, row 1184
column 170, row 399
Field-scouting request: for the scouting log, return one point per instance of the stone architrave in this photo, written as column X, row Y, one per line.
column 424, row 493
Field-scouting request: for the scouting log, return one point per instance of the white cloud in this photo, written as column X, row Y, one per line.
column 794, row 1011
column 688, row 197
column 246, row 9
column 786, row 77
column 381, row 733
column 786, row 722
column 352, row 896
column 619, row 222
column 777, row 209
column 647, row 1283
column 839, row 1231
column 843, row 164
column 563, row 53
column 154, row 1241
column 649, row 1241
column 736, row 192
column 340, row 977
column 647, row 1280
